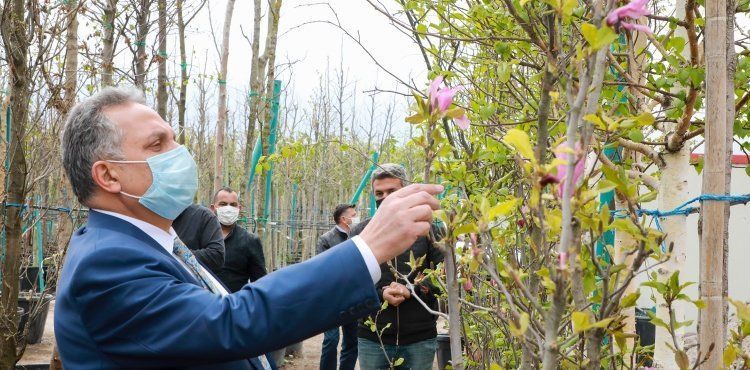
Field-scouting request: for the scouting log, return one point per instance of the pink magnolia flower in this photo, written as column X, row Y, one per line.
column 563, row 257
column 562, row 153
column 441, row 99
column 634, row 10
column 468, row 285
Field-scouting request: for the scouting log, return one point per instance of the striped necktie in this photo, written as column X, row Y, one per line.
column 208, row 282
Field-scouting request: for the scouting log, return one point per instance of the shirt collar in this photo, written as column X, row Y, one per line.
column 339, row 228
column 165, row 239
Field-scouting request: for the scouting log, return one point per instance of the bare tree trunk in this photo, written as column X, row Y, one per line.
column 184, row 78
column 13, row 28
column 255, row 94
column 71, row 56
column 142, row 28
column 269, row 58
column 720, row 67
column 222, row 114
column 161, row 79
column 108, row 43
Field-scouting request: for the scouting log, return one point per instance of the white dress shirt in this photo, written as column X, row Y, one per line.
column 166, row 240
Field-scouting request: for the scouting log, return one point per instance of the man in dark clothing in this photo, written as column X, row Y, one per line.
column 199, row 229
column 244, row 260
column 412, row 331
column 345, row 216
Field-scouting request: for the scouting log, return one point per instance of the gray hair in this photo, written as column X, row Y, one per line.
column 89, row 136
column 390, row 171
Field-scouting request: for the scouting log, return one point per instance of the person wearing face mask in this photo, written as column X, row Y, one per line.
column 131, row 295
column 408, row 330
column 244, row 259
column 345, row 217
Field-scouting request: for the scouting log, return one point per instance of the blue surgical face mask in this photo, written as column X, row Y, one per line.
column 174, row 184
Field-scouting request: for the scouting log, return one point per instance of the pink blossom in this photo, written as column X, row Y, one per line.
column 463, row 122
column 441, row 99
column 563, row 260
column 636, row 27
column 562, row 169
column 468, row 285
column 634, row 10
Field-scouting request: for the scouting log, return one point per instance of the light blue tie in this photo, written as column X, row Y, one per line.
column 182, row 251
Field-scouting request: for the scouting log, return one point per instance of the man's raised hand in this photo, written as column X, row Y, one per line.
column 403, row 216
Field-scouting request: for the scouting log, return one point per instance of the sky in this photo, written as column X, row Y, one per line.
column 311, row 46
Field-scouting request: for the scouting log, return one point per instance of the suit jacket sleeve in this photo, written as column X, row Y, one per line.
column 211, row 252
column 141, row 315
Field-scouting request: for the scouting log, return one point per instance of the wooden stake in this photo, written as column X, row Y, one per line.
column 719, row 46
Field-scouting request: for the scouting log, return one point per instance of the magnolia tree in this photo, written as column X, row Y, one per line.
column 569, row 101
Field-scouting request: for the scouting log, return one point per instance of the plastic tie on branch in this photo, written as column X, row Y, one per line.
column 685, row 209
column 183, row 65
column 163, row 54
column 108, row 25
column 221, row 82
column 139, row 43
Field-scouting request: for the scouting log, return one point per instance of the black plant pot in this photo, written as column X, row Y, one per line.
column 29, row 279
column 443, row 350
column 36, row 322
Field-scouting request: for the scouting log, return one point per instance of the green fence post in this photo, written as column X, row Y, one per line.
column 365, row 178
column 272, row 144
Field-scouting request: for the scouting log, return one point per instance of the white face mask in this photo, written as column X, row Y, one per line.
column 355, row 220
column 228, row 215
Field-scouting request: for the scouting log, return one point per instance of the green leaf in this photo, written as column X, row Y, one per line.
column 398, row 361
column 598, row 37
column 414, row 119
column 495, row 366
column 580, row 321
column 602, row 323
column 681, row 358
column 502, row 209
column 636, row 135
column 523, row 324
column 743, row 310
column 519, row 140
column 630, row 299
column 699, row 304
column 645, row 119
column 730, row 354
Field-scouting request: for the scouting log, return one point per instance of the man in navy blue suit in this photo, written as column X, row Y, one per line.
column 131, row 294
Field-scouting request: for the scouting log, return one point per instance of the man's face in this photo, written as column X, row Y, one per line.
column 348, row 215
column 144, row 135
column 385, row 187
column 225, row 198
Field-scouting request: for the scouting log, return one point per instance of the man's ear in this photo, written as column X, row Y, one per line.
column 106, row 175
column 213, row 208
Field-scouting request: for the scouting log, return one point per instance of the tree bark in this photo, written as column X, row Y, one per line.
column 161, row 79
column 142, row 28
column 222, row 114
column 268, row 60
column 254, row 95
column 184, row 78
column 108, row 43
column 720, row 64
column 71, row 57
column 13, row 29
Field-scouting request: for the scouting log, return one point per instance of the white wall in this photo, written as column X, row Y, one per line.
column 739, row 245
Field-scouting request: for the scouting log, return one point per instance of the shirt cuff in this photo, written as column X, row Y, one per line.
column 372, row 263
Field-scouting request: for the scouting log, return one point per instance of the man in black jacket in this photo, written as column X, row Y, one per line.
column 345, row 216
column 410, row 330
column 198, row 228
column 244, row 259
